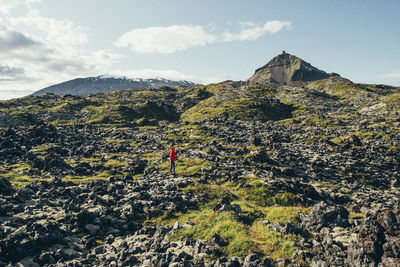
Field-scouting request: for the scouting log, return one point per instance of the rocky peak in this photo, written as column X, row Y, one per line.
column 288, row 69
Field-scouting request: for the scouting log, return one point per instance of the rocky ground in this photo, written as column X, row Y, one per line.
column 84, row 180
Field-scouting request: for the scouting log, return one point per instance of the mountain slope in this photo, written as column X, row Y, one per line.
column 105, row 84
column 288, row 69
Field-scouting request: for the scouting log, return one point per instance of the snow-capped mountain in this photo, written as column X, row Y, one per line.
column 107, row 83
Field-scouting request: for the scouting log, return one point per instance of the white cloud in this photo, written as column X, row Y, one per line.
column 177, row 38
column 165, row 39
column 13, row 40
column 38, row 51
column 245, row 24
column 7, row 5
column 102, row 57
column 32, row 1
column 8, row 73
column 6, row 94
column 392, row 75
column 252, row 31
column 152, row 73
column 57, row 32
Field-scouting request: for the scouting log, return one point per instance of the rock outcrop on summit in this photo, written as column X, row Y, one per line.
column 288, row 69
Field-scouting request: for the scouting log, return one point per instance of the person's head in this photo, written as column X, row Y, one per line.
column 171, row 146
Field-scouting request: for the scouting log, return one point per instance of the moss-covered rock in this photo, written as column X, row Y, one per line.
column 239, row 101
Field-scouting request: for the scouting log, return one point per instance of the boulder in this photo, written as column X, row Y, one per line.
column 6, row 187
column 323, row 215
column 367, row 250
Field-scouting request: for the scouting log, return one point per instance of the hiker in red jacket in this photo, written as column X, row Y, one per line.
column 172, row 157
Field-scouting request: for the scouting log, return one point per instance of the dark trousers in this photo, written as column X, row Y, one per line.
column 172, row 167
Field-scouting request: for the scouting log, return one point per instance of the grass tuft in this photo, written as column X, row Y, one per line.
column 187, row 166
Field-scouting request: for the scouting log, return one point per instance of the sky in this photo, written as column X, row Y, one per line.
column 44, row 42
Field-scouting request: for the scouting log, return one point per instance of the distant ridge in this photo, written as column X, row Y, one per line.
column 105, row 84
column 288, row 69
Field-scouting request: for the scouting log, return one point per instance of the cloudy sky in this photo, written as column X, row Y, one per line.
column 43, row 42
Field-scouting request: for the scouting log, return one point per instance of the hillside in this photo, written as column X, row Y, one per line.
column 289, row 69
column 106, row 84
column 268, row 174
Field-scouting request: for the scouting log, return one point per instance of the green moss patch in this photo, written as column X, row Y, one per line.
column 240, row 239
column 187, row 166
column 189, row 136
column 392, row 101
column 346, row 89
column 245, row 108
column 238, row 101
column 362, row 135
column 273, row 244
column 115, row 163
column 227, row 225
column 285, row 214
column 356, row 215
column 260, row 194
column 17, row 175
column 85, row 179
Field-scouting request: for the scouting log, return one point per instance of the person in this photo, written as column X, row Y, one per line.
column 172, row 158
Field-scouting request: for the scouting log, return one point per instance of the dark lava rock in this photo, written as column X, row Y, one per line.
column 368, row 250
column 289, row 228
column 297, row 161
column 83, row 168
column 6, row 187
column 378, row 241
column 389, row 221
column 55, row 164
column 139, row 166
column 323, row 215
column 221, row 202
column 261, row 156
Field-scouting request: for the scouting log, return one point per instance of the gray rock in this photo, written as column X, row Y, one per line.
column 92, row 229
column 323, row 215
column 27, row 262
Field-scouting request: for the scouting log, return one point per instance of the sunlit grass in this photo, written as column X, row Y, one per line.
column 186, row 166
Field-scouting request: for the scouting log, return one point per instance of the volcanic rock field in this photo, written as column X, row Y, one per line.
column 268, row 174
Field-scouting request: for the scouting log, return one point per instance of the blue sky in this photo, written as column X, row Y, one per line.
column 43, row 42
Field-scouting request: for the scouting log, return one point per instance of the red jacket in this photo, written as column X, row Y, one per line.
column 172, row 154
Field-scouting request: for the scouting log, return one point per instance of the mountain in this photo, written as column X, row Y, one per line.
column 288, row 69
column 268, row 174
column 105, row 84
